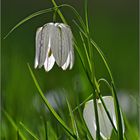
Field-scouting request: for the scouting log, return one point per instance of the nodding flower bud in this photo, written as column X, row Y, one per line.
column 54, row 43
column 104, row 122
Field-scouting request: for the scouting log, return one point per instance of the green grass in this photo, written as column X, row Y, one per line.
column 69, row 117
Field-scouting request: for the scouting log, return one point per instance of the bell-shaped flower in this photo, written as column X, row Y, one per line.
column 104, row 122
column 54, row 43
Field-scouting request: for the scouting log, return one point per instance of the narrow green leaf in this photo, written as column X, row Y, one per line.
column 86, row 51
column 96, row 117
column 31, row 133
column 44, row 11
column 75, row 12
column 98, row 50
column 106, row 82
column 86, row 15
column 18, row 131
column 72, row 120
column 82, row 103
column 118, row 113
column 32, row 16
column 48, row 105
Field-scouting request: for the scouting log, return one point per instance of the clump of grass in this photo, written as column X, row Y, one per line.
column 77, row 129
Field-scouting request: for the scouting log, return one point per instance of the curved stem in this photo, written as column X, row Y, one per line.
column 59, row 12
column 117, row 108
column 106, row 82
column 96, row 117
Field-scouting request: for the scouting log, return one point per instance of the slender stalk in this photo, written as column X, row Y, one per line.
column 54, row 15
column 78, row 106
column 59, row 12
column 117, row 108
column 96, row 117
column 118, row 114
column 93, row 77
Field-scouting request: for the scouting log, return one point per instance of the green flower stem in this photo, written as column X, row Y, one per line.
column 73, row 122
column 93, row 77
column 59, row 12
column 94, row 86
column 49, row 106
column 117, row 108
column 118, row 112
column 78, row 106
column 86, row 51
column 102, row 56
column 54, row 15
column 96, row 117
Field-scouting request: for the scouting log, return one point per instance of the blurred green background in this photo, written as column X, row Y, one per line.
column 113, row 26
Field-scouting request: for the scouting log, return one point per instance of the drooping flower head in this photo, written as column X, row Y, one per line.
column 54, row 43
column 104, row 122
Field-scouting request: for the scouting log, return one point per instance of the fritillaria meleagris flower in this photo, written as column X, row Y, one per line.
column 104, row 122
column 54, row 43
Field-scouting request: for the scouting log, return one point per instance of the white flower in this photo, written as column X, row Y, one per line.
column 54, row 43
column 104, row 122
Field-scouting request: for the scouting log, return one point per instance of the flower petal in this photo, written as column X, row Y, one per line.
column 38, row 38
column 104, row 122
column 44, row 41
column 69, row 45
column 56, row 45
column 70, row 37
column 65, row 66
column 109, row 102
column 71, row 59
column 50, row 60
column 65, row 43
column 89, row 118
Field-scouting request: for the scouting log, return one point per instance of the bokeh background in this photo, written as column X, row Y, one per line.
column 113, row 26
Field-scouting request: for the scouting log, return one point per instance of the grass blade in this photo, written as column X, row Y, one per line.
column 48, row 105
column 44, row 11
column 82, row 103
column 118, row 113
column 27, row 129
column 98, row 50
column 72, row 120
column 18, row 131
column 86, row 15
column 32, row 16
